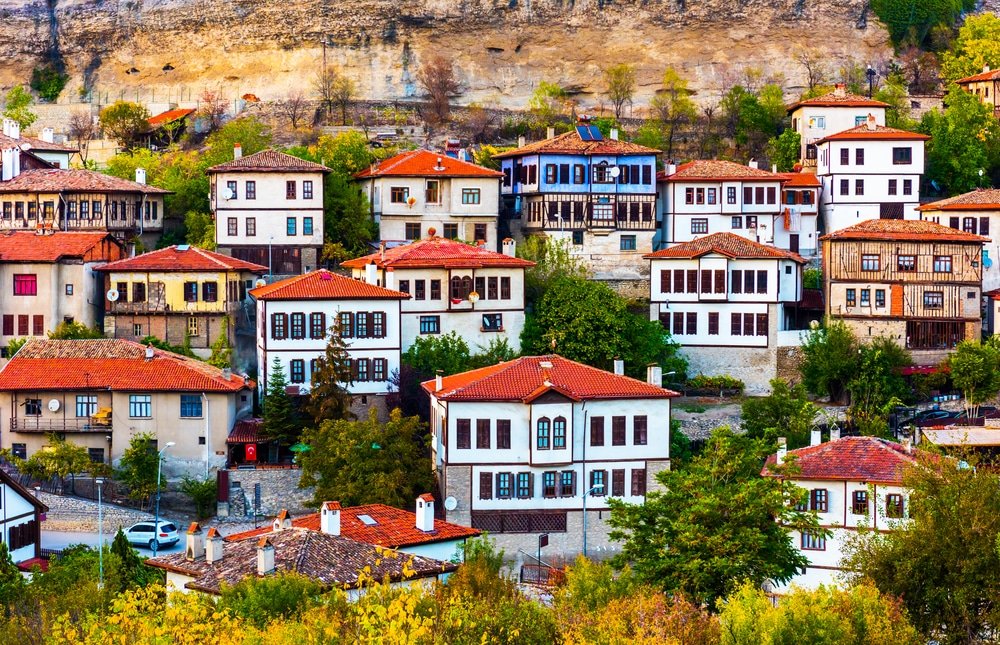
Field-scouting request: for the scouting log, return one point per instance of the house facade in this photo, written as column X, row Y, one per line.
column 296, row 316
column 597, row 194
column 180, row 294
column 916, row 282
column 477, row 293
column 100, row 393
column 51, row 277
column 984, row 86
column 869, row 172
column 21, row 516
column 723, row 298
column 43, row 148
column 817, row 118
column 852, row 483
column 268, row 209
column 418, row 190
column 528, row 446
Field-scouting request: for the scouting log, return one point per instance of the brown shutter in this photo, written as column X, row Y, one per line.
column 761, row 281
column 736, row 324
column 618, row 482
column 762, row 324
column 485, row 485
column 720, row 281
column 706, row 281
column 692, row 281
column 665, row 280
column 597, row 431
column 531, row 485
column 679, row 280
column 463, row 430
column 737, row 284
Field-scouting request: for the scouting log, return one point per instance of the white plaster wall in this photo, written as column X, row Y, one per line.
column 270, row 209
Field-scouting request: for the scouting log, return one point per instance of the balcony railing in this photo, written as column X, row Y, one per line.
column 35, row 424
column 555, row 223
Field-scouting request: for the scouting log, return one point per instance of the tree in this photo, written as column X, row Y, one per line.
column 786, row 412
column 15, row 344
column 17, row 106
column 74, row 330
column 212, row 107
column 977, row 45
column 222, row 350
column 815, row 65
column 437, row 78
column 912, row 23
column 895, row 93
column 964, row 142
column 124, row 121
column 49, row 81
column 344, row 91
column 943, row 562
column 139, row 467
column 975, row 370
column 877, row 386
column 59, row 458
column 12, row 583
column 329, row 398
column 134, row 573
column 294, row 107
column 82, row 129
column 672, row 108
column 367, row 462
column 281, row 419
column 323, row 85
column 202, row 494
column 715, row 524
column 830, row 359
column 259, row 601
column 784, row 150
column 547, row 102
column 200, row 229
column 448, row 353
column 496, row 351
column 620, row 83
column 921, row 69
column 553, row 260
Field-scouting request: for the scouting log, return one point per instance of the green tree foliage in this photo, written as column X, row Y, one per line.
column 203, row 494
column 671, row 109
column 252, row 135
column 975, row 371
column 138, row 468
column 681, row 450
column 753, row 118
column 12, row 583
column 367, row 462
column 812, row 279
column 716, row 524
column 134, row 573
column 590, row 585
column 786, row 412
column 620, row 83
column 74, row 330
column 965, row 140
column 943, row 563
column 547, row 103
column 200, row 230
column 15, row 344
column 497, row 351
column 59, row 458
column 446, row 352
column 48, row 81
column 553, row 260
column 222, row 350
column 877, row 386
column 784, row 149
column 588, row 322
column 260, row 601
column 830, row 358
column 17, row 106
column 329, row 399
column 281, row 416
column 977, row 45
column 124, row 121
column 914, row 23
column 896, row 94
column 183, row 350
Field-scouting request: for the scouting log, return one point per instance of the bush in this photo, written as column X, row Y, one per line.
column 48, row 82
column 262, row 600
column 202, row 494
column 720, row 382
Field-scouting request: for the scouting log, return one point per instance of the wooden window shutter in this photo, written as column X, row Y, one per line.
column 679, row 280
column 761, row 281
column 720, row 281
column 485, row 485
column 737, row 281
column 706, row 281
column 692, row 281
column 531, row 485
column 665, row 280
column 736, row 324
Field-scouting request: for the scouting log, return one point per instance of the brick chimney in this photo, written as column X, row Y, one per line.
column 195, row 545
column 329, row 518
column 265, row 557
column 425, row 513
column 237, row 151
column 213, row 546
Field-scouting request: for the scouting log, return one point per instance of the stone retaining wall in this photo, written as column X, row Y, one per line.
column 75, row 514
column 279, row 490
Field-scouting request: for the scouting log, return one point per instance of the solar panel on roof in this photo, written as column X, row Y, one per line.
column 584, row 132
column 595, row 133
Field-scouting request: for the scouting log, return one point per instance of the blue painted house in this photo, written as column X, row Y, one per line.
column 599, row 194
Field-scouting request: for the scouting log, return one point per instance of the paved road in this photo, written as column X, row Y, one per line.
column 63, row 539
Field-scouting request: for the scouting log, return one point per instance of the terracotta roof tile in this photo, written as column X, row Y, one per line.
column 268, row 161
column 863, row 132
column 394, row 528
column 570, row 143
column 328, row 559
column 718, row 170
column 248, row 431
column 904, row 230
column 437, row 252
column 981, row 199
column 862, row 459
column 986, row 75
column 27, row 246
column 182, row 258
column 424, row 163
column 800, row 180
column 324, row 285
column 728, row 244
column 526, row 378
column 29, row 144
column 169, row 116
column 110, row 364
column 837, row 99
column 58, row 180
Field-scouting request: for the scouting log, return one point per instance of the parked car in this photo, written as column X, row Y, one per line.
column 142, row 534
column 931, row 418
column 983, row 412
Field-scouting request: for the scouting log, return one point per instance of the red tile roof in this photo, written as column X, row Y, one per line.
column 169, row 116
column 269, row 161
column 570, row 143
column 182, row 258
column 904, row 230
column 863, row 133
column 324, row 285
column 437, row 252
column 58, row 180
column 985, row 75
column 394, row 528
column 29, row 144
column 728, row 244
column 247, row 431
column 111, row 364
column 27, row 246
column 800, row 180
column 718, row 170
column 424, row 163
column 861, row 459
column 837, row 99
column 525, row 379
column 981, row 199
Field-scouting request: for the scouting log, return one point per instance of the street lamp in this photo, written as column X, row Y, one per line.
column 870, row 73
column 585, row 496
column 156, row 516
column 100, row 535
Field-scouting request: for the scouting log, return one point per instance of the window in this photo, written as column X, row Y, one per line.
column 542, row 433
column 894, row 506
column 192, row 325
column 596, row 431
column 485, row 485
column 736, row 281
column 731, row 195
column 37, row 325
column 19, row 210
column 751, row 221
column 279, row 326
column 567, row 484
column 307, row 189
column 845, row 187
column 483, row 434
column 504, row 485
column 470, row 195
column 906, row 263
column 639, row 433
column 451, row 231
column 8, row 324
column 618, row 482
column 137, row 330
column 399, row 194
column 290, row 189
column 84, row 210
column 432, row 191
column 871, row 262
column 578, row 173
column 813, row 542
column 232, row 226
column 851, row 298
column 627, row 243
column 251, row 190
column 25, row 284
column 251, row 226
column 736, row 222
column 20, row 450
column 190, row 292
column 460, row 287
column 577, row 238
column 859, row 186
column 307, row 226
column 463, row 434
column 866, row 297
column 435, row 289
column 772, row 195
column 139, row 290
column 379, row 368
column 747, row 195
column 551, row 172
column 599, row 483
column 86, row 405
column 525, row 484
column 859, row 156
column 907, row 186
column 412, row 231
column 549, row 484
column 492, row 322
column 232, row 189
column 845, row 156
column 859, row 502
column 602, row 173
column 892, row 186
column 298, row 325
column 317, row 325
column 297, row 371
column 934, row 300
column 710, row 196
column 430, row 324
column 140, row 406
column 984, row 225
column 902, row 156
column 346, row 324
column 210, row 291
column 33, row 407
column 761, row 281
column 419, row 288
column 559, row 433
column 880, row 297
column 503, row 434
column 692, row 322
column 361, row 324
column 617, row 431
column 699, row 196
column 713, row 323
column 563, row 174
column 699, row 225
column 290, row 226
column 190, row 406
column 969, row 224
column 942, row 264
column 748, row 282
column 638, row 481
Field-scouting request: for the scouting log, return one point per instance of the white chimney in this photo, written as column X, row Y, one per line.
column 834, row 433
column 282, row 521
column 371, row 273
column 463, row 155
column 871, row 123
column 237, row 151
column 670, row 168
column 840, row 90
column 614, row 134
column 329, row 518
column 654, row 375
column 619, row 367
column 550, row 132
column 150, row 352
column 815, row 438
column 986, row 68
column 438, row 382
column 7, row 164
column 265, row 557
column 521, row 141
column 782, row 450
column 509, row 247
column 12, row 128
column 140, row 175
column 425, row 513
column 227, row 373
column 774, row 167
column 752, row 163
column 213, row 546
column 908, row 445
column 390, row 278
column 48, row 135
column 195, row 545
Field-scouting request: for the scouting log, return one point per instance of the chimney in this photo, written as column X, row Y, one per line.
column 425, row 513
column 12, row 128
column 509, row 247
column 815, row 438
column 550, row 132
column 670, row 167
column 431, row 232
column 227, row 373
column 213, row 546
column 986, row 68
column 834, row 433
column 48, row 135
column 371, row 273
column 440, row 165
column 7, row 164
column 438, row 381
column 619, row 366
column 521, row 141
column 390, row 278
column 283, row 521
column 195, row 546
column 150, row 352
column 774, row 167
column 871, row 123
column 614, row 134
column 782, row 450
column 752, row 163
column 140, row 175
column 265, row 556
column 329, row 518
column 463, row 155
column 654, row 375
column 237, row 151
column 840, row 90
column 908, row 446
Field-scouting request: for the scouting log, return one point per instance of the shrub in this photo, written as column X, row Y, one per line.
column 719, row 382
column 48, row 81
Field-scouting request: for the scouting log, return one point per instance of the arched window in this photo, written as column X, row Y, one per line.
column 543, row 433
column 461, row 287
column 559, row 433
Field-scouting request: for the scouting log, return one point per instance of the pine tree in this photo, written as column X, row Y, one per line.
column 329, row 399
column 280, row 417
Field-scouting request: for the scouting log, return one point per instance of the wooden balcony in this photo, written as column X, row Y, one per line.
column 555, row 223
column 44, row 426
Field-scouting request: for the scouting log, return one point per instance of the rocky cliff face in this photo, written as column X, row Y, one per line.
column 502, row 48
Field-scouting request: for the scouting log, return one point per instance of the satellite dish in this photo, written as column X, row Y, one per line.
column 615, row 171
column 260, row 282
column 227, row 194
column 54, row 405
column 450, row 503
column 113, row 295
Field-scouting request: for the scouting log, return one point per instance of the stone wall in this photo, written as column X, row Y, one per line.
column 80, row 515
column 565, row 545
column 279, row 490
column 789, row 361
column 755, row 366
